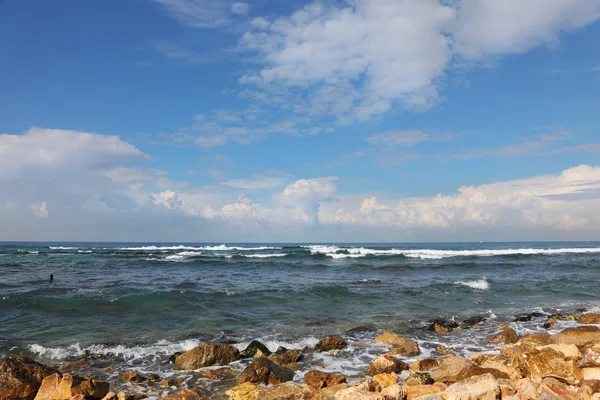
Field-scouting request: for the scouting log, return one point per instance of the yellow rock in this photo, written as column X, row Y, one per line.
column 386, row 379
column 245, row 391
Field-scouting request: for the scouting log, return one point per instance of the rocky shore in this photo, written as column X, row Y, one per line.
column 561, row 365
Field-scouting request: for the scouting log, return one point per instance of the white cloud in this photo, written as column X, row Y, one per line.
column 40, row 210
column 259, row 183
column 240, row 8
column 406, row 138
column 197, row 13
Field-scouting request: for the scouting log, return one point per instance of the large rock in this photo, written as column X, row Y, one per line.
column 385, row 364
column 353, row 393
column 289, row 391
column 130, row 376
column 451, row 369
column 442, row 326
column 330, row 391
column 265, row 371
column 549, row 363
column 418, row 379
column 423, row 365
column 567, row 350
column 526, row 389
column 591, row 374
column 245, row 391
column 21, row 377
column 385, row 380
column 582, row 336
column 420, row 391
column 183, row 395
column 401, row 345
column 252, row 348
column 286, row 357
column 205, row 355
column 532, row 340
column 590, row 318
column 507, row 336
column 56, row 387
column 496, row 367
column 320, row 379
column 482, row 387
column 590, row 358
column 329, row 343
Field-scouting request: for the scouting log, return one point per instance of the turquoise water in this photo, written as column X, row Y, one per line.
column 136, row 302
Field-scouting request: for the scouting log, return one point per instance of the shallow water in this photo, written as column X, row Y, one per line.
column 133, row 305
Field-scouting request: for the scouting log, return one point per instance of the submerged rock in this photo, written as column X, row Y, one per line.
column 21, row 377
column 205, row 355
column 590, row 318
column 362, row 329
column 57, row 387
column 507, row 336
column 320, row 379
column 329, row 343
column 401, row 345
column 386, row 364
column 470, row 322
column 252, row 348
column 286, row 357
column 442, row 326
column 529, row 316
column 265, row 371
column 131, row 376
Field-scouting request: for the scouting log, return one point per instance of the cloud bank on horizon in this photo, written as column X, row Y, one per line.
column 338, row 121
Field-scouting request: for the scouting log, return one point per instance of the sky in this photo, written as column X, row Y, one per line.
column 299, row 121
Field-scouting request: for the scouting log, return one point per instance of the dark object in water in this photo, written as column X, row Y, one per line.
column 528, row 317
column 470, row 322
column 51, row 277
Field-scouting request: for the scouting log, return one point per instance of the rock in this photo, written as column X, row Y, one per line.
column 319, row 379
column 168, row 383
column 418, row 392
column 550, row 388
column 594, row 386
column 152, row 378
column 532, row 340
column 385, row 364
column 591, row 374
column 394, row 391
column 286, row 357
column 470, row 322
column 552, row 319
column 183, row 395
column 441, row 326
column 369, row 385
column 353, row 393
column 442, row 349
column 75, row 365
column 110, row 396
column 402, row 346
column 590, row 358
column 528, row 317
column 252, row 348
column 506, row 336
column 129, row 396
column 498, row 369
column 502, row 326
column 205, row 355
column 266, row 372
column 245, row 391
column 506, row 388
column 130, row 376
column 526, row 389
column 386, row 380
column 56, row 387
column 550, row 322
column 289, row 391
column 330, row 391
column 590, row 318
column 210, row 374
column 418, row 379
column 329, row 343
column 423, row 365
column 567, row 350
column 362, row 329
column 474, row 388
column 582, row 336
column 451, row 369
column 511, row 354
column 260, row 354
column 549, row 363
column 21, row 377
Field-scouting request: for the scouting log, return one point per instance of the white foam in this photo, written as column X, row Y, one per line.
column 273, row 343
column 157, row 248
column 264, row 255
column 85, row 251
column 480, row 284
column 62, row 248
column 221, row 247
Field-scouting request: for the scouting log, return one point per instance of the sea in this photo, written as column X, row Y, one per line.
column 133, row 305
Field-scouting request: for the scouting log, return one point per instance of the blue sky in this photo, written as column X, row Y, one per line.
column 393, row 120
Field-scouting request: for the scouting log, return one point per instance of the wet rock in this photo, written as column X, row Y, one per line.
column 419, row 392
column 507, row 336
column 582, row 336
column 205, row 355
column 502, row 326
column 470, row 322
column 442, row 326
column 590, row 358
column 320, row 379
column 75, row 365
column 245, row 391
column 289, row 391
column 210, row 374
column 528, row 317
column 401, row 345
column 152, row 378
column 419, row 378
column 183, row 395
column 451, row 369
column 590, row 318
column 168, row 382
column 477, row 387
column 442, row 349
column 110, row 396
column 423, row 365
column 549, row 363
column 286, row 357
column 252, row 348
column 265, row 371
column 386, row 380
column 131, row 376
column 329, row 343
column 21, row 377
column 362, row 329
column 386, row 364
column 552, row 319
column 129, row 396
column 550, row 322
column 57, row 387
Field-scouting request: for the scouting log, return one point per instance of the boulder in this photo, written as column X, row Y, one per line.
column 183, row 395
column 329, row 343
column 507, row 336
column 394, row 391
column 418, row 379
column 441, row 326
column 127, row 396
column 419, row 391
column 386, row 364
column 286, row 357
column 205, row 355
column 591, row 374
column 591, row 318
column 75, row 365
column 497, row 368
column 56, row 387
column 353, row 393
column 532, row 340
column 320, row 379
column 582, row 336
column 549, row 363
column 475, row 388
column 510, row 354
column 567, row 350
column 442, row 349
column 401, row 345
column 265, row 371
column 245, row 391
column 110, row 396
column 252, row 348
column 470, row 322
column 21, row 377
column 131, row 376
column 386, row 380
column 451, row 369
column 423, row 365
column 507, row 388
column 526, row 389
column 289, row 391
column 551, row 388
column 590, row 358
column 330, row 391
